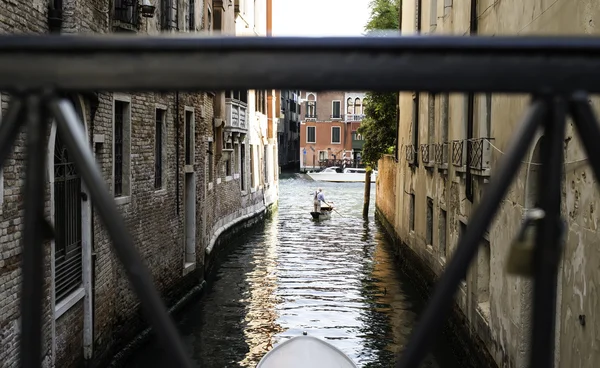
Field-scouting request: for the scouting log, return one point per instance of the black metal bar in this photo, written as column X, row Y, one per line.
column 432, row 318
column 549, row 237
column 588, row 129
column 419, row 63
column 9, row 129
column 33, row 249
column 72, row 133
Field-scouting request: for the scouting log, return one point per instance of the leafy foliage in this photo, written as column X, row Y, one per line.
column 378, row 128
column 384, row 15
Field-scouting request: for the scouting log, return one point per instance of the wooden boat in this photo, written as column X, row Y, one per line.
column 305, row 352
column 325, row 214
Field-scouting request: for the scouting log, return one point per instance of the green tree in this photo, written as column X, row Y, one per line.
column 379, row 127
column 384, row 15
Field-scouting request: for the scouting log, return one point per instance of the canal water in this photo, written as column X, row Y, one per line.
column 337, row 280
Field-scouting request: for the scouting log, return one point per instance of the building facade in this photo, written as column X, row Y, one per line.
column 449, row 149
column 288, row 129
column 328, row 129
column 182, row 167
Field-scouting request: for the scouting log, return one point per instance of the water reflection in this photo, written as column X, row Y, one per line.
column 334, row 279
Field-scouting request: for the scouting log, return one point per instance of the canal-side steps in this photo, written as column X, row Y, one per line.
column 305, row 352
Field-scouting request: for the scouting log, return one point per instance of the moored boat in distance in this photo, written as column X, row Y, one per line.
column 305, row 352
column 324, row 214
column 337, row 175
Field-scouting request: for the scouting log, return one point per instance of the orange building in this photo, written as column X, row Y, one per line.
column 328, row 129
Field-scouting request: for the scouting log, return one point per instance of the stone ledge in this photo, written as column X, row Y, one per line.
column 231, row 220
column 121, row 357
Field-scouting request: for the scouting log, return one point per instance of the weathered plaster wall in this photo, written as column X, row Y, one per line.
column 497, row 306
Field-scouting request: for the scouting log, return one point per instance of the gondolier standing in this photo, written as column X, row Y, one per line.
column 317, row 200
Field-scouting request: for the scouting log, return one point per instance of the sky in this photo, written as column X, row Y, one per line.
column 319, row 17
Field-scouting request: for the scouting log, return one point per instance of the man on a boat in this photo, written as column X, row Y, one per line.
column 317, row 200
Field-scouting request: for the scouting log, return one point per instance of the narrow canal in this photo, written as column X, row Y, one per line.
column 336, row 279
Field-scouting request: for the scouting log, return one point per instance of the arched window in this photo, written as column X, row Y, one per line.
column 349, row 106
column 311, row 106
column 358, row 106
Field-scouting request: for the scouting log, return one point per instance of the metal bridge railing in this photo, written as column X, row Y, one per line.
column 557, row 72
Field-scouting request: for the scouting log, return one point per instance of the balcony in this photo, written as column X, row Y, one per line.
column 441, row 155
column 126, row 14
column 478, row 159
column 458, row 159
column 410, row 154
column 354, row 117
column 310, row 117
column 236, row 115
column 426, row 154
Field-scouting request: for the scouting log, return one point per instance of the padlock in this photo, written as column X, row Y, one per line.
column 521, row 252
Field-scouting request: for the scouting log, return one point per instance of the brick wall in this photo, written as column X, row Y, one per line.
column 154, row 217
column 386, row 187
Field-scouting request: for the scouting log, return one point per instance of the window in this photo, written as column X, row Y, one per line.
column 209, row 17
column 158, row 147
column 483, row 274
column 415, row 124
column 211, row 162
column 411, row 218
column 311, row 134
column 336, row 135
column 217, row 23
column 357, row 106
column 429, row 230
column 126, row 11
column 252, row 164
column 432, row 15
column 349, row 106
column 266, row 167
column 431, row 119
column 189, row 137
column 461, row 234
column 192, row 15
column 322, row 155
column 243, row 166
column 442, row 235
column 169, row 14
column 121, row 146
column 335, row 110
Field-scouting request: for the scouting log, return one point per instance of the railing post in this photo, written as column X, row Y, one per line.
column 549, row 237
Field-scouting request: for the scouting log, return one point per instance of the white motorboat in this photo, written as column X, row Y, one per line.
column 324, row 214
column 305, row 352
column 337, row 175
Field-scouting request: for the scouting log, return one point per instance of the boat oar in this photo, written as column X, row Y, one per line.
column 334, row 209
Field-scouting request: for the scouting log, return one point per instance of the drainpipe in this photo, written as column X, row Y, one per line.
column 470, row 111
column 177, row 124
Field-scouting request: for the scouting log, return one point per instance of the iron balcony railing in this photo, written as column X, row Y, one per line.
column 441, row 154
column 478, row 159
column 426, row 152
column 559, row 73
column 458, row 148
column 410, row 153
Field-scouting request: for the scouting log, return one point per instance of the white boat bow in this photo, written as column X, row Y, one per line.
column 305, row 352
column 348, row 175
